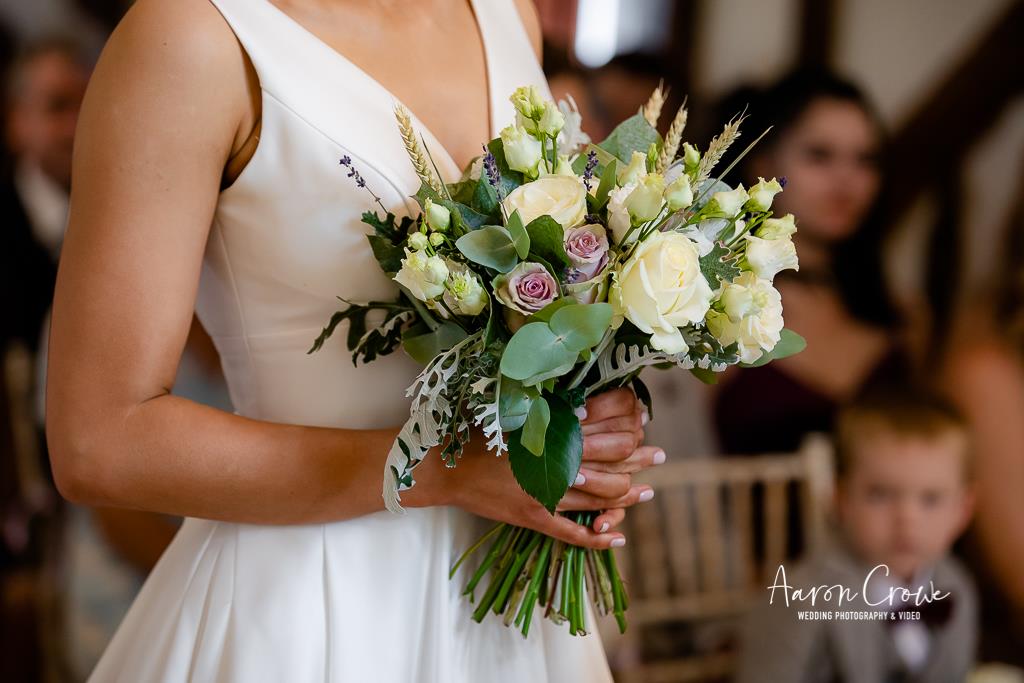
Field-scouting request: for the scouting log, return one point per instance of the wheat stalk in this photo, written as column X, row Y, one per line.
column 417, row 154
column 652, row 110
column 672, row 140
column 719, row 144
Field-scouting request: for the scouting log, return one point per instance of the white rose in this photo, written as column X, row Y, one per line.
column 618, row 217
column 727, row 204
column 752, row 317
column 762, row 194
column 777, row 228
column 767, row 257
column 564, row 198
column 522, row 150
column 424, row 276
column 661, row 288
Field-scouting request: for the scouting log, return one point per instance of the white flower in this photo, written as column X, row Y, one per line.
column 727, row 204
column 464, row 294
column 661, row 288
column 561, row 197
column 438, row 216
column 551, row 121
column 645, row 201
column 528, row 101
column 762, row 194
column 436, row 239
column 522, row 150
column 767, row 257
column 418, row 241
column 618, row 218
column 572, row 138
column 679, row 194
column 424, row 276
column 563, row 167
column 777, row 228
column 691, row 157
column 751, row 317
column 636, row 169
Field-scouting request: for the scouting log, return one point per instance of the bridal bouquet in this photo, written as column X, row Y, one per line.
column 554, row 269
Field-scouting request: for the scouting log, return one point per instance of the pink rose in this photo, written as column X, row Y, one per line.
column 587, row 247
column 527, row 288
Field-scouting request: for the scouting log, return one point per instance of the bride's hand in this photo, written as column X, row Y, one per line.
column 484, row 485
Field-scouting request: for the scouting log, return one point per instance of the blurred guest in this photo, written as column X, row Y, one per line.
column 984, row 376
column 825, row 140
column 903, row 497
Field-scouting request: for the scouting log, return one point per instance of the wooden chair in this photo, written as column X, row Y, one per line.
column 692, row 557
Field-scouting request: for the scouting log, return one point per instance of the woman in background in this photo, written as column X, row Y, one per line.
column 825, row 140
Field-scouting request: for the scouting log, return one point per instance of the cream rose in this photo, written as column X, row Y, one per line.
column 751, row 316
column 661, row 288
column 563, row 198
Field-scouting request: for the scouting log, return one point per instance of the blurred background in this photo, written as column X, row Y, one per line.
column 900, row 128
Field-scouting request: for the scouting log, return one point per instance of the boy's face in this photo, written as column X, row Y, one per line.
column 904, row 500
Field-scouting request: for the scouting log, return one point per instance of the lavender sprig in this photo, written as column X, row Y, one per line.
column 588, row 171
column 346, row 161
column 492, row 172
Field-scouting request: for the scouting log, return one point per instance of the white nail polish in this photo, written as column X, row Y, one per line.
column 604, row 528
column 618, row 542
column 647, row 495
column 581, row 412
column 659, row 457
column 580, row 480
column 645, row 418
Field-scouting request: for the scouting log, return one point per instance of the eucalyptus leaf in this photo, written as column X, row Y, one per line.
column 520, row 237
column 608, row 179
column 490, row 246
column 545, row 379
column 424, row 347
column 535, row 349
column 536, row 426
column 581, row 326
column 544, row 314
column 632, row 135
column 547, row 241
column 514, row 404
column 790, row 343
column 548, row 477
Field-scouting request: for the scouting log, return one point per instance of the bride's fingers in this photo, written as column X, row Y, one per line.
column 578, row 500
column 564, row 529
column 611, row 446
column 609, row 519
column 641, row 459
column 633, row 422
column 617, row 403
column 602, row 484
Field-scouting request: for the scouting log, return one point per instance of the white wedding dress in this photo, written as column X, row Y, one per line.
column 361, row 600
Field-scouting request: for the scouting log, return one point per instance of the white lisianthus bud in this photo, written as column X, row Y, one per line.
column 522, row 150
column 424, row 276
column 777, row 228
column 754, row 322
column 767, row 257
column 727, row 204
column 636, row 169
column 438, row 216
column 762, row 194
column 645, row 201
column 528, row 102
column 465, row 295
column 691, row 157
column 679, row 194
column 551, row 121
column 436, row 239
column 418, row 241
column 563, row 167
column 618, row 218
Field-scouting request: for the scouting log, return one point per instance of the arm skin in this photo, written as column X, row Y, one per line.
column 166, row 110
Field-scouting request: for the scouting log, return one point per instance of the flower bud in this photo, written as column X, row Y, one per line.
column 777, row 228
column 727, row 204
column 762, row 194
column 438, row 216
column 436, row 239
column 636, row 169
column 522, row 150
column 424, row 276
column 418, row 241
column 563, row 167
column 551, row 121
column 767, row 257
column 528, row 102
column 644, row 203
column 691, row 157
column 678, row 194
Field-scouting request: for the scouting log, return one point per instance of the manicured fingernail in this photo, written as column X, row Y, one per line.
column 618, row 542
column 581, row 412
column 659, row 457
column 647, row 495
column 580, row 480
column 645, row 418
column 604, row 528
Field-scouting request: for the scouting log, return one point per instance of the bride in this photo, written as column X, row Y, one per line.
column 206, row 178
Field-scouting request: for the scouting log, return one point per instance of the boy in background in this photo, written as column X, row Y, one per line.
column 903, row 497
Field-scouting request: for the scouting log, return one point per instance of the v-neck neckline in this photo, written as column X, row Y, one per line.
column 385, row 92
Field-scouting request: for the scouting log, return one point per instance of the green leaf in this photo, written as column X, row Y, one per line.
column 632, row 135
column 388, row 255
column 388, row 228
column 705, row 375
column 424, row 347
column 534, row 349
column 520, row 238
column 463, row 191
column 547, row 240
column 718, row 264
column 603, row 159
column 581, row 326
column 548, row 477
column 514, row 403
column 544, row 314
column 548, row 378
column 464, row 217
column 607, row 184
column 510, row 179
column 536, row 426
column 490, row 246
column 485, row 199
column 789, row 344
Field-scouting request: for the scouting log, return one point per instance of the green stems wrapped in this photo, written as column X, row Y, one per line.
column 525, row 568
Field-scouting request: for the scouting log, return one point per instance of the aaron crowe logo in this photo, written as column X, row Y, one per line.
column 874, row 592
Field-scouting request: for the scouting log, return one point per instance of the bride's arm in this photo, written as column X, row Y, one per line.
column 165, row 111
